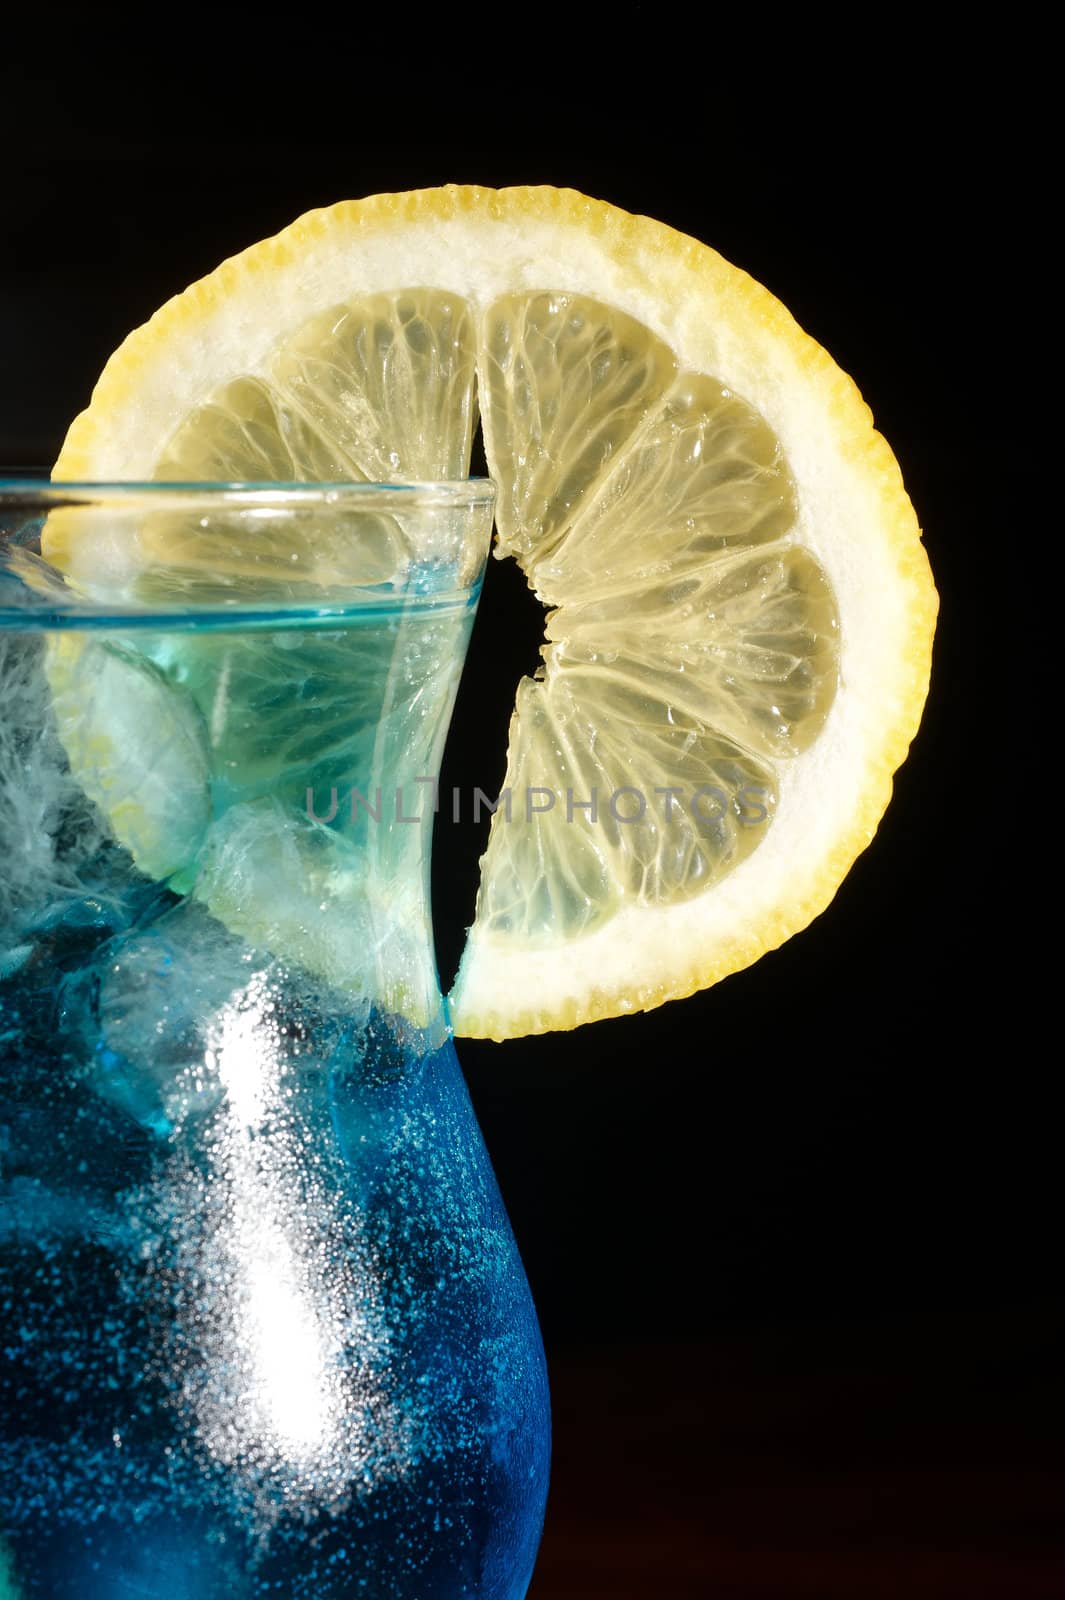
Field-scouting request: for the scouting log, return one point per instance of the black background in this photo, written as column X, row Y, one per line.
column 793, row 1241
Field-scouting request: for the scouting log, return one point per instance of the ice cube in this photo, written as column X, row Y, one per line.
column 143, row 1011
column 146, row 1014
column 50, row 833
column 295, row 888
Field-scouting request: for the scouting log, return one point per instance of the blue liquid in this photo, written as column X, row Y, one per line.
column 265, row 1331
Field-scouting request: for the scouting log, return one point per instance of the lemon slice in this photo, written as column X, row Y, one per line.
column 742, row 613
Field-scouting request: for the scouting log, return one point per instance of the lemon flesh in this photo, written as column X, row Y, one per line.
column 739, row 644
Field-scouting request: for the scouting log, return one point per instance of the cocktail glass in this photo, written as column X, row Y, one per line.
column 265, row 1327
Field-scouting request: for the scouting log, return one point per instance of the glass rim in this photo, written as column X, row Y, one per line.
column 60, row 607
column 48, row 493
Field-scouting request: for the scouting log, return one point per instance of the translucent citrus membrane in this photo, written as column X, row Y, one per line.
column 694, row 643
column 380, row 390
column 615, row 798
column 747, row 644
column 655, row 733
column 566, row 383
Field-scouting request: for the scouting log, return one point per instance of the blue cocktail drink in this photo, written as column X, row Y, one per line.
column 265, row 1328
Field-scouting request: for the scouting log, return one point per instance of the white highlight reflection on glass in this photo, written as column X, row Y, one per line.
column 282, row 1315
column 286, row 1343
